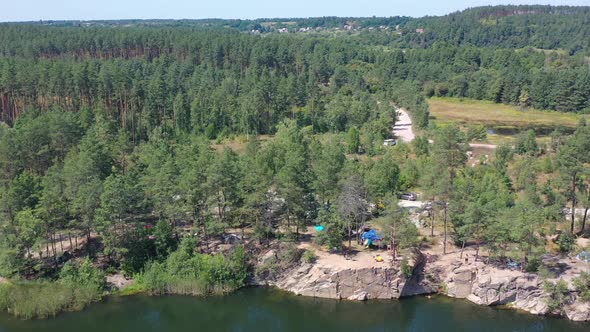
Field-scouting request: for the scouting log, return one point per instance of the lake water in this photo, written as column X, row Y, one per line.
column 263, row 309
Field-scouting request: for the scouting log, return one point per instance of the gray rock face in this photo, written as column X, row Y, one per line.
column 270, row 255
column 476, row 282
column 485, row 285
column 578, row 311
column 490, row 286
column 384, row 282
column 360, row 284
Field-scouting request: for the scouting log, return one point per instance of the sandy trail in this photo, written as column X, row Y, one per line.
column 403, row 126
column 482, row 145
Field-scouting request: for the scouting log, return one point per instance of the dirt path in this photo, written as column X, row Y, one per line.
column 403, row 126
column 483, row 146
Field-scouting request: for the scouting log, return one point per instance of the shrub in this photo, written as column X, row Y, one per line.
column 332, row 235
column 83, row 274
column 476, row 133
column 268, row 270
column 566, row 242
column 582, row 286
column 321, row 239
column 138, row 249
column 188, row 273
column 545, row 273
column 309, row 256
column 532, row 265
column 154, row 278
column 526, row 143
column 405, row 268
column 289, row 255
column 557, row 294
column 163, row 239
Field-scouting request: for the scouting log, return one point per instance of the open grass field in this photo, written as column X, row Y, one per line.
column 505, row 120
column 492, row 115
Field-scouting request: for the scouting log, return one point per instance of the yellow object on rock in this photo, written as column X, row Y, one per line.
column 378, row 258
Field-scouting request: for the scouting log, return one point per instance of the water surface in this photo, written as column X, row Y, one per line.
column 263, row 309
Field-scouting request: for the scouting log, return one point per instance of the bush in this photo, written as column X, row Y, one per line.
column 321, row 239
column 476, row 133
column 532, row 265
column 163, row 239
column 268, row 270
column 526, row 143
column 188, row 273
column 154, row 279
column 137, row 251
column 545, row 273
column 566, row 242
column 405, row 268
column 557, row 294
column 309, row 256
column 83, row 274
column 333, row 233
column 289, row 255
column 582, row 286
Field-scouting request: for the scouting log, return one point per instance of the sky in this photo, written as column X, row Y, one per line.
column 34, row 10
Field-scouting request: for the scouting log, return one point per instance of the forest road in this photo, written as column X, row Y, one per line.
column 402, row 129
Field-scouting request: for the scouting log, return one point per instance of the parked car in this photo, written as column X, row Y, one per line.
column 407, row 196
column 389, row 142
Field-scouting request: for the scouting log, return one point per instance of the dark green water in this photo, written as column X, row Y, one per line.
column 261, row 309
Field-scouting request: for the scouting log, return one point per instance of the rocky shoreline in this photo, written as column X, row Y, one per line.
column 490, row 286
column 474, row 281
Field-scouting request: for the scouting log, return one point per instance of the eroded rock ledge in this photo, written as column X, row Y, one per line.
column 365, row 283
column 486, row 285
column 476, row 282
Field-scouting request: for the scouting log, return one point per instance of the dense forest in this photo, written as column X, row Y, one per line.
column 139, row 145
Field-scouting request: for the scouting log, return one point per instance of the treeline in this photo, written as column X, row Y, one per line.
column 82, row 176
column 545, row 27
column 224, row 83
column 221, row 82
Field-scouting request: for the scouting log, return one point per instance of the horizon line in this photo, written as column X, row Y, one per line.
column 280, row 18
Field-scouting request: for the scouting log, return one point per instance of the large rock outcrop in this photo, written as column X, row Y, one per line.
column 325, row 281
column 335, row 283
column 475, row 281
column 486, row 285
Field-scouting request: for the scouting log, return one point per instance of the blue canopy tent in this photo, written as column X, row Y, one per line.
column 369, row 237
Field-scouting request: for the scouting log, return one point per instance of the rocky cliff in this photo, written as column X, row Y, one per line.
column 487, row 285
column 336, row 283
column 477, row 282
column 357, row 283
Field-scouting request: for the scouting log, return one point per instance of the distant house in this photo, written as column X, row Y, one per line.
column 419, row 30
column 283, row 30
